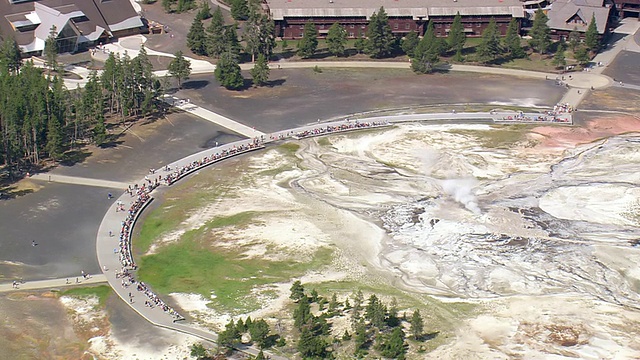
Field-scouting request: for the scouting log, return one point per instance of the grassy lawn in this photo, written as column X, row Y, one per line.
column 102, row 292
column 174, row 210
column 194, row 265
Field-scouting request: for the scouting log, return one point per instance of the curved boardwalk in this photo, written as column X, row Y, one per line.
column 109, row 246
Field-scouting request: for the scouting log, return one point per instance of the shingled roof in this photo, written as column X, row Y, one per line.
column 417, row 9
column 30, row 22
column 564, row 13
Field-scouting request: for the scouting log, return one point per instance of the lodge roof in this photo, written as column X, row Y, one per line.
column 30, row 22
column 563, row 13
column 417, row 9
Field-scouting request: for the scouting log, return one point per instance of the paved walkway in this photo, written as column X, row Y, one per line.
column 54, row 283
column 593, row 79
column 78, row 181
column 186, row 105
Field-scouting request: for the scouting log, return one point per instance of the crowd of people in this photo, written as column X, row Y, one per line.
column 141, row 193
column 550, row 116
column 561, row 108
column 182, row 171
column 348, row 125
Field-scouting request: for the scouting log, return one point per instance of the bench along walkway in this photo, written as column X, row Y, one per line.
column 114, row 252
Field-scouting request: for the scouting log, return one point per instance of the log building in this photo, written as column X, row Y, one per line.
column 404, row 15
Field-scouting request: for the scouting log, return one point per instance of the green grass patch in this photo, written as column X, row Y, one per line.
column 495, row 138
column 324, row 141
column 276, row 171
column 180, row 202
column 289, row 148
column 238, row 219
column 193, row 266
column 102, row 292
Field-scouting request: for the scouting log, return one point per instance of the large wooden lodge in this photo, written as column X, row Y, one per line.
column 413, row 15
column 404, row 15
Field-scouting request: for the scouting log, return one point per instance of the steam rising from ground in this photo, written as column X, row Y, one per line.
column 461, row 190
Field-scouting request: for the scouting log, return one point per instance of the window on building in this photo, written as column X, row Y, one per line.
column 321, row 26
column 478, row 24
column 352, row 26
column 438, row 25
column 351, row 34
column 407, row 26
column 395, row 26
column 301, row 26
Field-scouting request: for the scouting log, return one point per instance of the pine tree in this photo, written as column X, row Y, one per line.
column 314, row 295
column 582, row 55
column 310, row 345
column 360, row 43
column 309, row 43
column 239, row 9
column 10, row 57
column 409, row 43
column 230, row 41
column 574, row 39
column 260, row 71
column 180, row 68
column 559, row 60
column 540, row 33
column 392, row 319
column 205, row 11
column 489, row 49
column 54, row 137
column 51, row 49
column 591, row 37
column 259, row 332
column 215, row 31
column 336, row 39
column 380, row 40
column 394, row 346
column 417, row 325
column 167, row 5
column 228, row 72
column 512, row 41
column 375, row 312
column 259, row 35
column 456, row 37
column 198, row 351
column 196, row 38
column 333, row 304
column 426, row 55
column 229, row 337
column 297, row 291
column 361, row 338
column 302, row 314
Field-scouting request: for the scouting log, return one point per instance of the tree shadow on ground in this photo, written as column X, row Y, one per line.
column 276, row 82
column 74, row 156
column 429, row 336
column 195, row 84
column 285, row 54
column 12, row 192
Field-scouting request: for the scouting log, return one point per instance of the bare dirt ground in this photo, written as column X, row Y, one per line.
column 302, row 96
column 42, row 325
